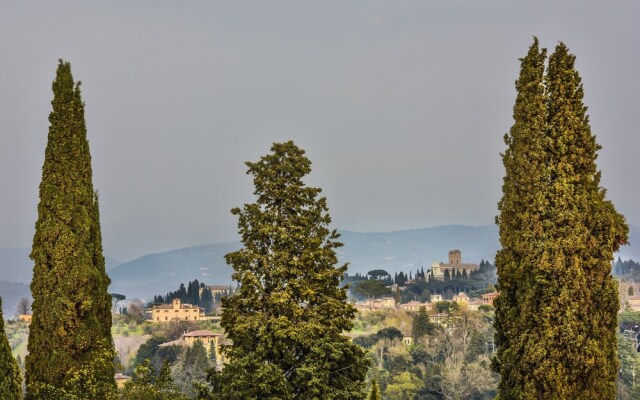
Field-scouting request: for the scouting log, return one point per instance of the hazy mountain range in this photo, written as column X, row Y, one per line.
column 394, row 251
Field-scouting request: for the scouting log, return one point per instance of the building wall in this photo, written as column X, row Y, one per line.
column 177, row 312
column 455, row 257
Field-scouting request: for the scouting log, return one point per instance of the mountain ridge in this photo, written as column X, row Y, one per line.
column 158, row 273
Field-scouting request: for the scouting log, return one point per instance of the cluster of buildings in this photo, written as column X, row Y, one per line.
column 387, row 303
column 454, row 267
column 438, row 271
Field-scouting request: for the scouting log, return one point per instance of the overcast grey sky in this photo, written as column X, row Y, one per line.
column 401, row 106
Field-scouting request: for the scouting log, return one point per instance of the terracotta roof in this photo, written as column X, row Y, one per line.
column 170, row 307
column 201, row 333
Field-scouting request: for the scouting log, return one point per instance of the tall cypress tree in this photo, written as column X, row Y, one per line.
column 556, row 313
column 70, row 347
column 520, row 223
column 10, row 377
column 374, row 394
column 289, row 314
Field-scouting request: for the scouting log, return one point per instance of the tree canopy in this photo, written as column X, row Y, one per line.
column 70, row 346
column 371, row 289
column 556, row 313
column 10, row 376
column 288, row 317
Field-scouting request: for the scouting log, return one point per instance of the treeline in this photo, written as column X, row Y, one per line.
column 486, row 272
column 421, row 285
column 195, row 293
column 626, row 268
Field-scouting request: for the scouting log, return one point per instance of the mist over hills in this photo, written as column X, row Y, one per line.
column 16, row 266
column 393, row 251
column 401, row 250
column 163, row 272
column 11, row 293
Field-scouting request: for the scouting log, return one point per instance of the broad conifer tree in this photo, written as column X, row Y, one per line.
column 288, row 316
column 70, row 348
column 556, row 313
column 10, row 376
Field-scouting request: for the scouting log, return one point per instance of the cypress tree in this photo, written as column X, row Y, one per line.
column 70, row 348
column 10, row 377
column 375, row 391
column 556, row 313
column 289, row 314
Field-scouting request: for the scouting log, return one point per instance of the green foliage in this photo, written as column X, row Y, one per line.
column 374, row 394
column 556, row 313
column 371, row 289
column 70, row 346
column 421, row 325
column 452, row 364
column 403, row 386
column 627, row 268
column 145, row 385
column 288, row 317
column 10, row 376
column 629, row 374
column 446, row 307
column 191, row 367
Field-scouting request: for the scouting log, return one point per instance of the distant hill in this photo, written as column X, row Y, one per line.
column 163, row 272
column 16, row 266
column 401, row 250
column 159, row 273
column 11, row 294
column 393, row 251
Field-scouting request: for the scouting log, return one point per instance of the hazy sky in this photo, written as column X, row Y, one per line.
column 401, row 106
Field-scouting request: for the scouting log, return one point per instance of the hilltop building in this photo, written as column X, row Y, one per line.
column 176, row 311
column 454, row 267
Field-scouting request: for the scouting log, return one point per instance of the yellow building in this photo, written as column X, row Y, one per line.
column 25, row 318
column 176, row 311
column 634, row 302
column 121, row 380
column 415, row 306
column 461, row 298
column 207, row 338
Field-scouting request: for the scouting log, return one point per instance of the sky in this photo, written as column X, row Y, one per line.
column 400, row 105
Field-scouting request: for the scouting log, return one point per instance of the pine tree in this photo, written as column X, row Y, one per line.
column 556, row 313
column 288, row 316
column 10, row 377
column 70, row 348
